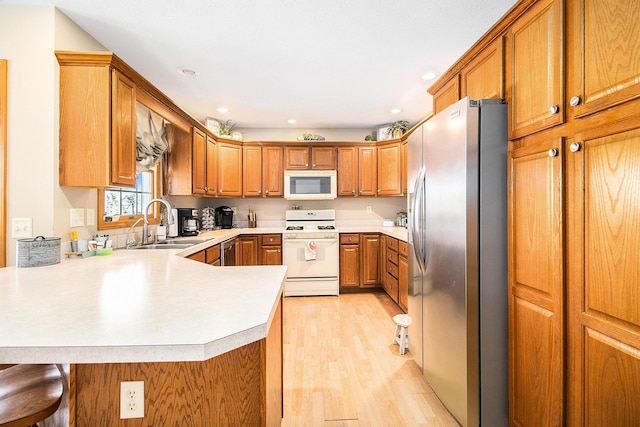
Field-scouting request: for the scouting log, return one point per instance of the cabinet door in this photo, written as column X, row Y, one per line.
column 603, row 277
column 296, row 158
column 229, row 170
column 536, row 295
column 389, row 174
column 252, row 171
column 447, row 94
column 483, row 77
column 123, row 131
column 347, row 171
column 272, row 173
column 367, row 171
column 603, row 68
column 349, row 266
column 404, row 166
column 211, row 167
column 271, row 255
column 403, row 283
column 199, row 177
column 323, row 158
column 535, row 82
column 370, row 271
column 248, row 250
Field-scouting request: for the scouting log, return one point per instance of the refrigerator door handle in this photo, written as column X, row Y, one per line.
column 417, row 216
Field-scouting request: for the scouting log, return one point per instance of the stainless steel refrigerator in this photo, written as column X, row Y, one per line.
column 458, row 258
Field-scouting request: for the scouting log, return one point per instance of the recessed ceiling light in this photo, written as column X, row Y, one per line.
column 291, row 121
column 396, row 111
column 222, row 110
column 429, row 75
column 187, row 71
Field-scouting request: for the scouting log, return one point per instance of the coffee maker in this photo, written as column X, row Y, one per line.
column 224, row 217
column 188, row 222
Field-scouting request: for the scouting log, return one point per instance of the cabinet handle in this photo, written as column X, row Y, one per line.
column 278, row 250
column 554, row 109
column 378, row 190
column 271, row 239
column 306, row 164
column 266, row 191
column 575, row 147
column 314, row 165
column 360, row 191
column 206, row 188
column 552, row 152
column 575, row 101
column 353, row 191
column 259, row 191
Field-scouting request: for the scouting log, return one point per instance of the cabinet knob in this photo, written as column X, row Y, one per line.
column 206, row 188
column 360, row 191
column 378, row 190
column 552, row 152
column 314, row 165
column 554, row 109
column 278, row 250
column 575, row 100
column 271, row 239
column 266, row 191
column 575, row 147
column 306, row 164
column 353, row 191
column 357, row 249
column 259, row 191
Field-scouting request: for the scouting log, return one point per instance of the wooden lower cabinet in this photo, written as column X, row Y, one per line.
column 349, row 261
column 403, row 282
column 242, row 387
column 248, row 252
column 369, row 267
column 270, row 249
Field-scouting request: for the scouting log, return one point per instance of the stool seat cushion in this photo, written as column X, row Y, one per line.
column 29, row 393
column 402, row 320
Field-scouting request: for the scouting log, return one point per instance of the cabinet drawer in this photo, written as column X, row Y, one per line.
column 212, row 254
column 392, row 269
column 393, row 257
column 350, row 238
column 271, row 239
column 392, row 244
column 403, row 248
column 391, row 287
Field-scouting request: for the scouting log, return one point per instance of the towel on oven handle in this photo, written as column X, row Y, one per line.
column 310, row 250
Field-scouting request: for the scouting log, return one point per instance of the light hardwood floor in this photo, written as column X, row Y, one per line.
column 341, row 368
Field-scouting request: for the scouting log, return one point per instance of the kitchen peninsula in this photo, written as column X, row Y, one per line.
column 206, row 341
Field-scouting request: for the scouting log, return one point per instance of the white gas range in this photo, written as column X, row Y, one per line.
column 311, row 251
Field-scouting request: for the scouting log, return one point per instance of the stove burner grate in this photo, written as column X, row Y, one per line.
column 294, row 227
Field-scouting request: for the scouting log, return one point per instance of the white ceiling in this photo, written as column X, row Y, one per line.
column 326, row 63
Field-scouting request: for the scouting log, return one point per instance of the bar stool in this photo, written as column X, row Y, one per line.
column 400, row 336
column 29, row 394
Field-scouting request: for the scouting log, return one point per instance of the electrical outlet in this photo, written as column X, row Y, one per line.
column 21, row 228
column 131, row 399
column 368, row 209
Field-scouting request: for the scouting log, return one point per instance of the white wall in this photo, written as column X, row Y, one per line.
column 28, row 38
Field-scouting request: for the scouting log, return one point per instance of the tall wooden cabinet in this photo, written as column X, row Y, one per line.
column 97, row 121
column 272, row 172
column 252, row 171
column 390, row 169
column 229, row 170
column 536, row 292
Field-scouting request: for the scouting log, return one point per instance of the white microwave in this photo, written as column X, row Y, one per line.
column 310, row 184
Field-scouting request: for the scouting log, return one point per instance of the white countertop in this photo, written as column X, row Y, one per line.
column 133, row 306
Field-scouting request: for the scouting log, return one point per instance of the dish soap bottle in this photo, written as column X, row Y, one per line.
column 161, row 232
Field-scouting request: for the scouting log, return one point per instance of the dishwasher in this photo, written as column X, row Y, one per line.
column 229, row 252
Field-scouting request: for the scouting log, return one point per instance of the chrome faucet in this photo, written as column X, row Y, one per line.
column 145, row 225
column 132, row 240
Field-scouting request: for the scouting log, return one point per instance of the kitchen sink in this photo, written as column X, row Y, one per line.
column 172, row 244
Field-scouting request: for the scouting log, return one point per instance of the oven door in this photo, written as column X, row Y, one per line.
column 325, row 264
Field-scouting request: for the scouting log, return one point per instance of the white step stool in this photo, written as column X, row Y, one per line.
column 400, row 336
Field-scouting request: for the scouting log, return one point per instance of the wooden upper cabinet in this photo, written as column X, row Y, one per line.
column 389, row 170
column 447, row 94
column 178, row 177
column 211, row 181
column 199, row 177
column 272, row 171
column 535, row 285
column 296, row 158
column 405, row 166
column 367, row 171
column 302, row 158
column 97, row 122
column 603, row 65
column 252, row 171
column 229, row 170
column 323, row 158
column 483, row 76
column 347, row 171
column 534, row 69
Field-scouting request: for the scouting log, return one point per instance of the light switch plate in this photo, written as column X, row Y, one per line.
column 22, row 228
column 91, row 217
column 76, row 218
